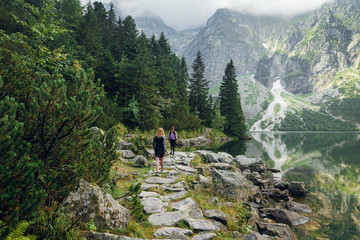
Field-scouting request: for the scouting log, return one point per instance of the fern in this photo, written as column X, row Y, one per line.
column 19, row 232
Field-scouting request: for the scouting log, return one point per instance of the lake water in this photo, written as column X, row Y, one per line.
column 329, row 165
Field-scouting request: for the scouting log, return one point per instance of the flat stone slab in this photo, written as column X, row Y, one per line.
column 145, row 194
column 204, row 236
column 176, row 195
column 170, row 231
column 165, row 219
column 186, row 169
column 203, row 224
column 153, row 205
column 189, row 207
column 174, row 189
column 160, row 180
column 147, row 186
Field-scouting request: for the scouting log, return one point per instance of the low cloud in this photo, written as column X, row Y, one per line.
column 185, row 14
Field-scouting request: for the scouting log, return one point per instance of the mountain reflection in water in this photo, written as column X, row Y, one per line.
column 328, row 163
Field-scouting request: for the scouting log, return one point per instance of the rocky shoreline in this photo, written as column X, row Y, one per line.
column 167, row 202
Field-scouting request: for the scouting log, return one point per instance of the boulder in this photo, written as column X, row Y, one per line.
column 285, row 216
column 253, row 164
column 231, row 185
column 141, row 161
column 258, row 236
column 166, row 232
column 125, row 146
column 91, row 202
column 204, row 236
column 204, row 181
column 276, row 229
column 203, row 224
column 150, row 153
column 225, row 158
column 297, row 189
column 222, row 166
column 278, row 194
column 189, row 207
column 298, row 207
column 98, row 132
column 126, row 154
column 165, row 219
column 281, row 185
column 153, row 205
column 216, row 215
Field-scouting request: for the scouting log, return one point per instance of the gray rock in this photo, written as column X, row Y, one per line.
column 126, row 154
column 204, row 236
column 176, row 195
column 203, row 224
column 276, row 229
column 107, row 236
column 254, row 216
column 203, row 153
column 150, row 153
column 231, row 185
column 145, row 194
column 285, row 216
column 222, row 166
column 181, row 184
column 159, row 180
column 297, row 189
column 172, row 189
column 165, row 219
column 298, row 207
column 186, row 169
column 278, row 194
column 153, row 205
column 170, row 231
column 204, row 181
column 125, row 146
column 216, row 215
column 258, row 236
column 253, row 164
column 282, row 185
column 147, row 186
column 189, row 207
column 225, row 158
column 141, row 161
column 198, row 141
column 98, row 132
column 91, row 202
column 178, row 236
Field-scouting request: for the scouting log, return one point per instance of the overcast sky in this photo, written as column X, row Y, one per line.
column 184, row 14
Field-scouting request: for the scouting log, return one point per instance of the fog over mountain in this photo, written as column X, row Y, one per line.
column 189, row 14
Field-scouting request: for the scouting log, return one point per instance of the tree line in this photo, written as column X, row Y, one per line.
column 65, row 69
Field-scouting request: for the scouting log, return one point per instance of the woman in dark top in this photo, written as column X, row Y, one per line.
column 159, row 145
column 172, row 139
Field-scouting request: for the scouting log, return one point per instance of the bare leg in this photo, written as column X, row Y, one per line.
column 162, row 163
column 157, row 164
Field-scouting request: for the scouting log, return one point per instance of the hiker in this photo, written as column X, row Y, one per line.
column 172, row 138
column 159, row 144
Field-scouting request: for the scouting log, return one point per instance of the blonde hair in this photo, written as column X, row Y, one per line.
column 160, row 132
column 173, row 128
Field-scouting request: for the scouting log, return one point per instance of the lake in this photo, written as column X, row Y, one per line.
column 328, row 163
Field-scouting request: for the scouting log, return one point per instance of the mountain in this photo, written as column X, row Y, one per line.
column 299, row 73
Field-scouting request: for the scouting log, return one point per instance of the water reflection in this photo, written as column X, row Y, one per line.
column 328, row 163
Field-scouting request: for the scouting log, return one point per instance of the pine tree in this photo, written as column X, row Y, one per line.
column 183, row 83
column 230, row 105
column 199, row 90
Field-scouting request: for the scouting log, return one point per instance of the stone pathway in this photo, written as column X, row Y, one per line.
column 160, row 197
